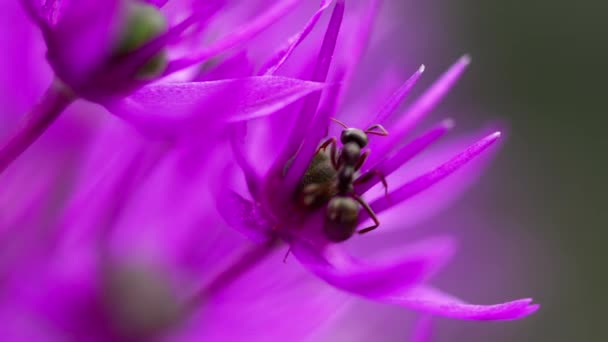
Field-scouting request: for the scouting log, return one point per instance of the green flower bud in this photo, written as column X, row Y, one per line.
column 144, row 22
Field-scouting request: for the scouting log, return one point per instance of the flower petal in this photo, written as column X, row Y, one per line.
column 397, row 97
column 236, row 66
column 244, row 216
column 409, row 151
column 179, row 108
column 429, row 299
column 279, row 57
column 236, row 37
column 420, row 108
column 376, row 281
column 309, row 108
column 429, row 179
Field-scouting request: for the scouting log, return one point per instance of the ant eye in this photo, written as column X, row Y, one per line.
column 354, row 135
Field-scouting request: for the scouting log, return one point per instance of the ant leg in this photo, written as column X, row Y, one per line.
column 370, row 212
column 330, row 141
column 333, row 150
column 369, row 175
column 361, row 160
column 380, row 130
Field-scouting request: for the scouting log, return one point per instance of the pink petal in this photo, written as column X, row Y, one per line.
column 309, row 108
column 359, row 39
column 434, row 301
column 397, row 97
column 409, row 151
column 244, row 216
column 279, row 57
column 239, row 149
column 236, row 66
column 317, row 131
column 379, row 280
column 238, row 36
column 420, row 108
column 175, row 108
column 429, row 179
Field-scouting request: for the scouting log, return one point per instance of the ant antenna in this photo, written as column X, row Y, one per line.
column 339, row 122
column 376, row 129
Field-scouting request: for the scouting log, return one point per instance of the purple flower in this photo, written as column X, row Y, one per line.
column 113, row 52
column 119, row 238
column 300, row 177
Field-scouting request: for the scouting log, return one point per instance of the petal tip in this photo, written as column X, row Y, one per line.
column 465, row 59
column 448, row 124
column 495, row 136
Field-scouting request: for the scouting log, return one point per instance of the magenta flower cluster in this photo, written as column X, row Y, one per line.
column 180, row 216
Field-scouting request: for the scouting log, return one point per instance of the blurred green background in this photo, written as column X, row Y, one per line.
column 540, row 65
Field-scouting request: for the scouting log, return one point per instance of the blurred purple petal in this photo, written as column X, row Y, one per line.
column 236, row 37
column 279, row 57
column 177, row 108
column 377, row 281
column 427, row 180
column 434, row 301
column 311, row 103
column 421, row 107
column 244, row 216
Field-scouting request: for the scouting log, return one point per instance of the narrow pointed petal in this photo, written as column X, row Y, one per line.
column 318, row 130
column 239, row 148
column 244, row 216
column 360, row 38
column 434, row 301
column 409, row 151
column 174, row 108
column 377, row 281
column 421, row 107
column 309, row 108
column 397, row 97
column 238, row 36
column 279, row 57
column 429, row 179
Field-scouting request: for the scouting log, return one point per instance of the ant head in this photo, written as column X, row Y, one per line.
column 354, row 135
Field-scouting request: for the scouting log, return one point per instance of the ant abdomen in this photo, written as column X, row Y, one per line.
column 341, row 218
column 316, row 187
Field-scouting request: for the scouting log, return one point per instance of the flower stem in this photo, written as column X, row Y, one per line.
column 56, row 98
column 240, row 262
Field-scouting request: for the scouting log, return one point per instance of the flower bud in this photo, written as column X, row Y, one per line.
column 143, row 23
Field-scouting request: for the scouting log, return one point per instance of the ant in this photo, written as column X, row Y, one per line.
column 331, row 177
